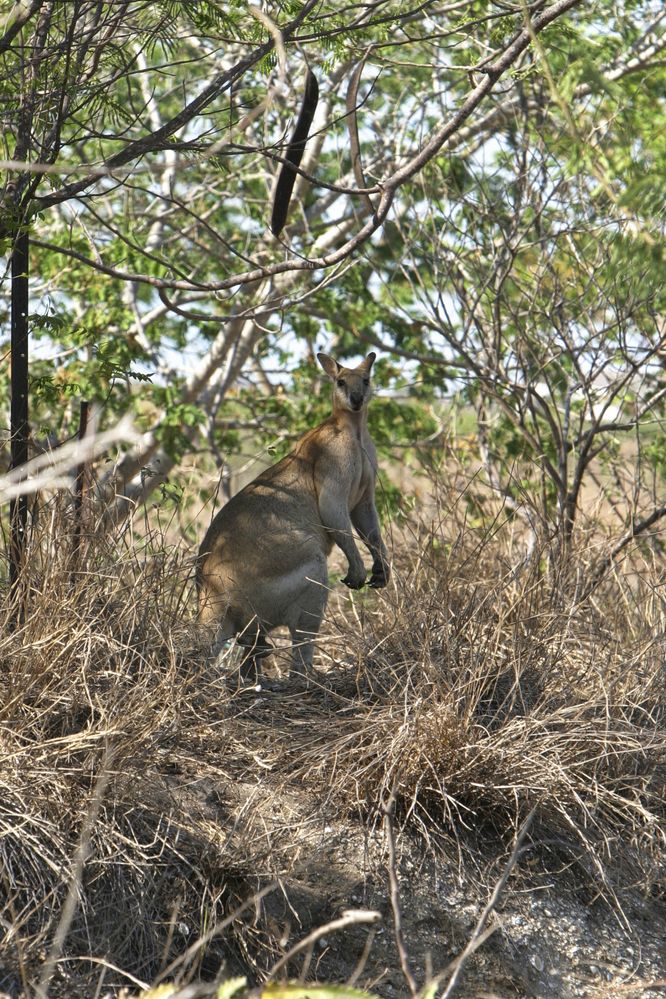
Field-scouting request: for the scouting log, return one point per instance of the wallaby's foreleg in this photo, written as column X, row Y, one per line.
column 335, row 518
column 365, row 520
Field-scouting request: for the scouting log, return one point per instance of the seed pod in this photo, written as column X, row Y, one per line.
column 285, row 184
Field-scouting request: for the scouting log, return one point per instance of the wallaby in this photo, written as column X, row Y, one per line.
column 262, row 563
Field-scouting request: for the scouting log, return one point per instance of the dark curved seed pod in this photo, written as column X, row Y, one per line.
column 285, row 184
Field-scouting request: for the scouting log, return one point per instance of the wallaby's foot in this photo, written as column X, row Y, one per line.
column 272, row 685
column 246, row 678
column 299, row 681
column 305, row 678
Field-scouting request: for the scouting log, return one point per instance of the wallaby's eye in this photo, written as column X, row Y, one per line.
column 341, row 383
column 366, row 381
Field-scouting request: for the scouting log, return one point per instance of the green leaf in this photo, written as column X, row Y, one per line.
column 297, row 991
column 229, row 988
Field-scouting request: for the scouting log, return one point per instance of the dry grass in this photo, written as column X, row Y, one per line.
column 476, row 692
column 99, row 682
column 489, row 692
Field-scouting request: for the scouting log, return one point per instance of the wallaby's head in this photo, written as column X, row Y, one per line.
column 351, row 386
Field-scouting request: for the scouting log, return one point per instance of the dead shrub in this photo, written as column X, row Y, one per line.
column 486, row 691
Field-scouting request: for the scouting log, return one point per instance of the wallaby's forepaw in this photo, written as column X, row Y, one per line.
column 354, row 582
column 380, row 575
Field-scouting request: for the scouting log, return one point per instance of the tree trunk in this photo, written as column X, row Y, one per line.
column 19, row 398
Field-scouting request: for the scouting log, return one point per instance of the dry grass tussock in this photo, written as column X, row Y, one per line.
column 99, row 684
column 135, row 784
column 487, row 692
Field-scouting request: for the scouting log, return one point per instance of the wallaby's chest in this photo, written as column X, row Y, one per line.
column 342, row 457
column 361, row 476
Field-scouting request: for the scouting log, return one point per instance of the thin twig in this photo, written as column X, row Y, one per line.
column 349, row 918
column 634, row 532
column 389, row 809
column 363, row 959
column 215, row 931
column 480, row 933
column 71, row 902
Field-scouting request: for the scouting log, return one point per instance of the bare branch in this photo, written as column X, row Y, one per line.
column 637, row 528
column 352, row 125
column 22, row 15
column 52, row 470
column 155, row 140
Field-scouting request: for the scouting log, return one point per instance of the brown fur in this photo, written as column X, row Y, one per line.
column 262, row 563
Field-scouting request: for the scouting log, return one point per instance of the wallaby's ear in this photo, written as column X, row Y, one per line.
column 369, row 361
column 329, row 364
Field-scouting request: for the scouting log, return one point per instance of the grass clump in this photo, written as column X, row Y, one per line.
column 98, row 677
column 142, row 802
column 488, row 691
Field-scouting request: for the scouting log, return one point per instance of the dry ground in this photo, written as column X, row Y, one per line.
column 156, row 825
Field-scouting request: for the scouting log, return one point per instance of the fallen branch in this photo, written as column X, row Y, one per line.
column 53, row 469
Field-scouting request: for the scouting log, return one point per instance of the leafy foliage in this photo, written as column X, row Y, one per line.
column 521, row 270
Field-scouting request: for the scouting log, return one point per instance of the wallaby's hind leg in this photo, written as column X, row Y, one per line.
column 305, row 626
column 255, row 647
